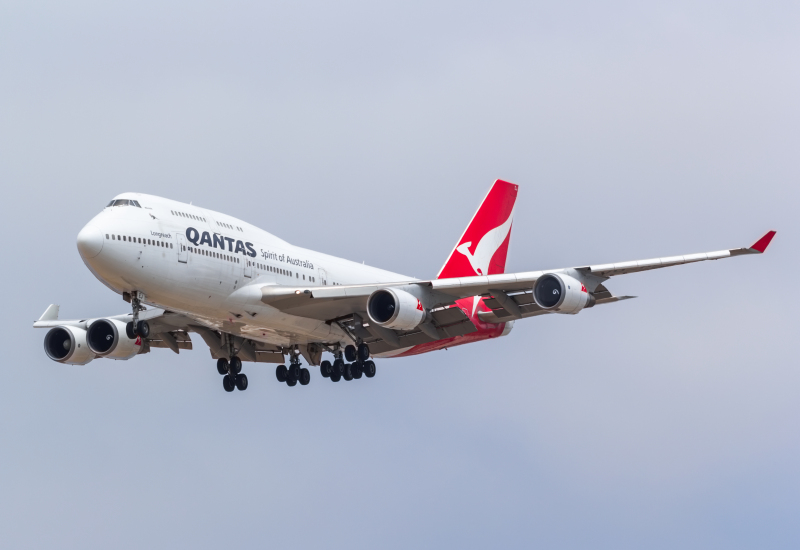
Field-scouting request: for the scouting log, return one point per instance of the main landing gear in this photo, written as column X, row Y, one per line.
column 359, row 366
column 294, row 374
column 232, row 377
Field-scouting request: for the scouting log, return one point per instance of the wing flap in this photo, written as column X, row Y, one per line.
column 176, row 340
column 446, row 323
column 415, row 338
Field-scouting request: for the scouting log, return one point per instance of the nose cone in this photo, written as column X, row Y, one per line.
column 90, row 242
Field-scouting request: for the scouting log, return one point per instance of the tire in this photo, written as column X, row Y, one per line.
column 129, row 331
column 294, row 371
column 338, row 367
column 363, row 352
column 236, row 365
column 241, row 382
column 143, row 329
column 222, row 366
column 335, row 377
column 305, row 377
column 348, row 373
column 350, row 352
column 291, row 382
column 280, row 373
column 325, row 368
column 357, row 370
column 228, row 383
column 369, row 369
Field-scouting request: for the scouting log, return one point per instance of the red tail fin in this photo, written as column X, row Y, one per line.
column 483, row 247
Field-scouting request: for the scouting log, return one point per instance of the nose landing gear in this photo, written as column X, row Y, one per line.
column 136, row 327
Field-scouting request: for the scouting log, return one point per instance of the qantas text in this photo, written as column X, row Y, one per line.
column 218, row 241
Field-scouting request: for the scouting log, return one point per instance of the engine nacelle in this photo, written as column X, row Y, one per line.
column 67, row 345
column 108, row 338
column 395, row 309
column 561, row 294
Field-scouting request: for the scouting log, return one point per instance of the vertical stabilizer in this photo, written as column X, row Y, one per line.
column 483, row 247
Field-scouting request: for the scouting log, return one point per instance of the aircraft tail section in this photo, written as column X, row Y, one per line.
column 483, row 247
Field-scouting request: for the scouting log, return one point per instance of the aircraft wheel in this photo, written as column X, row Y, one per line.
column 236, row 365
column 291, row 382
column 357, row 370
column 350, row 352
column 228, row 383
column 305, row 377
column 241, row 382
column 294, row 371
column 222, row 366
column 129, row 330
column 143, row 329
column 280, row 373
column 363, row 352
column 325, row 368
column 348, row 373
column 338, row 367
column 335, row 377
column 369, row 369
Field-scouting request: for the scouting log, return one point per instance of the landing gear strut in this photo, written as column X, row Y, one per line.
column 136, row 327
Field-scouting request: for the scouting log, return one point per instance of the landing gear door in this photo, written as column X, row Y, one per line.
column 183, row 253
column 248, row 267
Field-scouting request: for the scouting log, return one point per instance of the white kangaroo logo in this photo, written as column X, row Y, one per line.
column 486, row 247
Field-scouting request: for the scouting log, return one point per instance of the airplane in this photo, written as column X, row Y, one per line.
column 253, row 297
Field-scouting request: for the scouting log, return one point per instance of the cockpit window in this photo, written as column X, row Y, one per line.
column 124, row 202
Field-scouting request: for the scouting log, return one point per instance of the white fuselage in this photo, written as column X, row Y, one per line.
column 212, row 267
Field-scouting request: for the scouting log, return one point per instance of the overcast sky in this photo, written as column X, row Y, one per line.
column 371, row 131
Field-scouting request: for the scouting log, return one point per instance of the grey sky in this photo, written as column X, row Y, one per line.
column 371, row 131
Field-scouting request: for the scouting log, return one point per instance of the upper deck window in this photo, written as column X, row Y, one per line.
column 124, row 202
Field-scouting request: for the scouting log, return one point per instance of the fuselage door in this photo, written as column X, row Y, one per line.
column 248, row 267
column 183, row 253
column 323, row 277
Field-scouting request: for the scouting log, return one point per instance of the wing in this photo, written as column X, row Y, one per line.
column 167, row 329
column 170, row 330
column 331, row 303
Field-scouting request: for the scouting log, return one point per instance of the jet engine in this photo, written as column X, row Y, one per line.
column 108, row 338
column 561, row 294
column 67, row 345
column 395, row 309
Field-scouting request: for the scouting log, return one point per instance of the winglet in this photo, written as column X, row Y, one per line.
column 763, row 242
column 50, row 314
